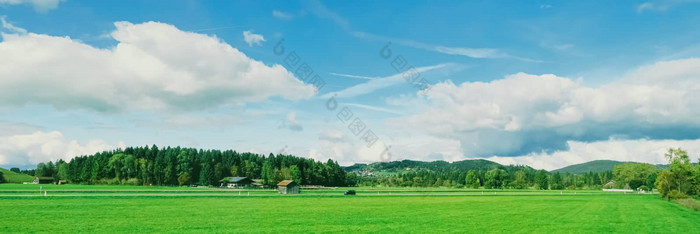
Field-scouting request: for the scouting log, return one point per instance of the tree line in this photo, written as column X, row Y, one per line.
column 510, row 177
column 680, row 180
column 187, row 166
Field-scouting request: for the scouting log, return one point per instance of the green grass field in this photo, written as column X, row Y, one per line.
column 12, row 177
column 405, row 210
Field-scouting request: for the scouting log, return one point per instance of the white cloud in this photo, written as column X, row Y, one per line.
column 379, row 83
column 10, row 27
column 282, row 15
column 354, row 76
column 470, row 52
column 42, row 6
column 647, row 151
column 32, row 148
column 645, row 6
column 252, row 38
column 291, row 122
column 374, row 108
column 321, row 11
column 154, row 66
column 525, row 113
column 348, row 149
column 661, row 5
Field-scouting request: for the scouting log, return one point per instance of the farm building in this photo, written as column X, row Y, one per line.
column 43, row 180
column 287, row 186
column 257, row 183
column 236, row 182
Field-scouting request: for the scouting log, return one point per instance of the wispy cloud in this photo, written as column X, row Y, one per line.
column 321, row 11
column 375, row 108
column 10, row 27
column 379, row 83
column 282, row 15
column 41, row 6
column 216, row 28
column 662, row 5
column 354, row 76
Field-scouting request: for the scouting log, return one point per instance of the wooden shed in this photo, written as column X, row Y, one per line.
column 288, row 187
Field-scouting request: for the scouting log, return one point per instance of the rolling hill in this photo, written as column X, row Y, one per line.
column 592, row 166
column 12, row 177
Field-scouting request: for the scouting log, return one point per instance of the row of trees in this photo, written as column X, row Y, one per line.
column 516, row 177
column 184, row 166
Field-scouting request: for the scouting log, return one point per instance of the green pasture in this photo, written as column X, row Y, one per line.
column 12, row 177
column 404, row 210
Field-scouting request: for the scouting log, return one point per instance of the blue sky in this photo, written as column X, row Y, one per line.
column 541, row 83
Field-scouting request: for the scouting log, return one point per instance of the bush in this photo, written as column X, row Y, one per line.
column 675, row 195
column 114, row 181
column 645, row 188
column 634, row 184
column 132, row 181
column 690, row 203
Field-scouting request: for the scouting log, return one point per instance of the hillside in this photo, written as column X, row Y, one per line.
column 592, row 166
column 407, row 165
column 12, row 177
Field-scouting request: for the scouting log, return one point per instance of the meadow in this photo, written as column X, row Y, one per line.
column 172, row 209
column 12, row 177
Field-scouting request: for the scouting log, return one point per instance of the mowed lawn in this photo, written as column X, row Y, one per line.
column 592, row 213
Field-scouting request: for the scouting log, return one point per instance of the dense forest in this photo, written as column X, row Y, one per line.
column 185, row 166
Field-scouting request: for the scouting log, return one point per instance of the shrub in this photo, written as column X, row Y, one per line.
column 690, row 203
column 675, row 195
column 106, row 181
column 132, row 181
column 645, row 188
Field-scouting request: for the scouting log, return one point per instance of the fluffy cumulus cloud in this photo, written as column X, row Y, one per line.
column 252, row 38
column 27, row 149
column 348, row 149
column 523, row 114
column 649, row 151
column 154, row 66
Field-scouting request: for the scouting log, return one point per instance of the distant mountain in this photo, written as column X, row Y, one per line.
column 408, row 165
column 598, row 166
column 592, row 166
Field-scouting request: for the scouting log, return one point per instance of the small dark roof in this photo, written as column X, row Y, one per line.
column 234, row 179
column 44, row 178
column 285, row 182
